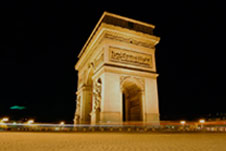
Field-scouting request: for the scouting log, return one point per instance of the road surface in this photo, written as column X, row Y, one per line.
column 28, row 141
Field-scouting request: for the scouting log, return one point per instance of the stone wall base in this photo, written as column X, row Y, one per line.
column 152, row 118
column 110, row 117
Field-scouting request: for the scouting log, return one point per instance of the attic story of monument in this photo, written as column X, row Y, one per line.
column 117, row 79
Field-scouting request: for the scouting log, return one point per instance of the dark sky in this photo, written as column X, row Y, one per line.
column 42, row 41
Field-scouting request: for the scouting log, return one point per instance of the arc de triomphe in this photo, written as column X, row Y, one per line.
column 117, row 79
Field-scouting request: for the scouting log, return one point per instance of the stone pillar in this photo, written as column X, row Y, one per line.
column 152, row 109
column 83, row 114
column 77, row 112
column 111, row 107
column 143, row 106
column 95, row 117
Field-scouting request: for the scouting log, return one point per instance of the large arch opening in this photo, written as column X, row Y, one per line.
column 131, row 102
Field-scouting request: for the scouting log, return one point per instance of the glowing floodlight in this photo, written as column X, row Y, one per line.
column 30, row 121
column 182, row 122
column 62, row 123
column 202, row 121
column 5, row 119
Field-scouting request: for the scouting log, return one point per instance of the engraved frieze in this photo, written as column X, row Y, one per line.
column 130, row 57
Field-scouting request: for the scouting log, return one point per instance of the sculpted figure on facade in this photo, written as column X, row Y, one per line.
column 77, row 113
column 97, row 95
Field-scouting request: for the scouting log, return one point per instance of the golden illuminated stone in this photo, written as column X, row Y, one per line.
column 117, row 79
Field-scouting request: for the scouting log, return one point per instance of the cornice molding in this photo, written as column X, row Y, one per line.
column 118, row 34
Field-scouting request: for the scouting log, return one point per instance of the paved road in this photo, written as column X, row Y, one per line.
column 26, row 141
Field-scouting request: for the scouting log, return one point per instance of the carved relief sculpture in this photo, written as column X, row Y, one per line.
column 97, row 95
column 77, row 116
column 129, row 57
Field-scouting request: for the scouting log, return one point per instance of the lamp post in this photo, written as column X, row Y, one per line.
column 4, row 119
column 62, row 123
column 182, row 122
column 202, row 121
column 30, row 121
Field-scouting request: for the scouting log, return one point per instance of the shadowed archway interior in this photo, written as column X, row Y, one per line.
column 132, row 102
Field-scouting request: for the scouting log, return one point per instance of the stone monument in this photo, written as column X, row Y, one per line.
column 117, row 79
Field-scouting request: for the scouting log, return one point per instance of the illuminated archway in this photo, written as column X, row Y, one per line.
column 132, row 99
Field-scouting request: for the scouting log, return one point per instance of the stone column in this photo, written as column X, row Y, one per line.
column 143, row 105
column 83, row 114
column 152, row 107
column 111, row 106
column 77, row 112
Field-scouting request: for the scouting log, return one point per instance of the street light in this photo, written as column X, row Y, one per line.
column 62, row 123
column 182, row 122
column 202, row 121
column 5, row 119
column 30, row 121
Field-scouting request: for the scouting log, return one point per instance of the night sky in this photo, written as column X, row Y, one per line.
column 42, row 41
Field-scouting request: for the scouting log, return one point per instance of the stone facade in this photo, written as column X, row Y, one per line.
column 117, row 79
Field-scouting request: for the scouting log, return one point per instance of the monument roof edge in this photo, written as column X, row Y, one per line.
column 91, row 35
column 115, row 16
column 129, row 19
